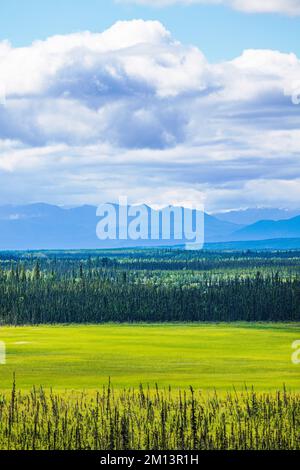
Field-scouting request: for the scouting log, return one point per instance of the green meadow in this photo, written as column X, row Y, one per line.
column 216, row 356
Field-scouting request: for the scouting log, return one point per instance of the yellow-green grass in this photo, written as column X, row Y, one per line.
column 206, row 356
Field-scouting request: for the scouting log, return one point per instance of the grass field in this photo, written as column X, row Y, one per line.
column 205, row 356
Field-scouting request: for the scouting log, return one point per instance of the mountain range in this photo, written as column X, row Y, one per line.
column 48, row 227
column 252, row 215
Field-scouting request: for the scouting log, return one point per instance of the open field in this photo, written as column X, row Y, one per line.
column 205, row 356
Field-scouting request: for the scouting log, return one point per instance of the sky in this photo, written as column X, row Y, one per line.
column 203, row 25
column 166, row 102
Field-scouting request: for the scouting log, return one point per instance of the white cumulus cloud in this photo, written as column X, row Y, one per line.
column 88, row 117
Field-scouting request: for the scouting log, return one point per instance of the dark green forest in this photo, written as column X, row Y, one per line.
column 149, row 286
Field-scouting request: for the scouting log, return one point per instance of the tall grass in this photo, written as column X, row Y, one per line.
column 149, row 420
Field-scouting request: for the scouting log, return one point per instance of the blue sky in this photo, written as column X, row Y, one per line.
column 219, row 31
column 175, row 105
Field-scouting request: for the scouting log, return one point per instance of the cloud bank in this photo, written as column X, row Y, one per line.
column 287, row 7
column 131, row 111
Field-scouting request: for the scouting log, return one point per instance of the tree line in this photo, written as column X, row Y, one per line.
column 79, row 292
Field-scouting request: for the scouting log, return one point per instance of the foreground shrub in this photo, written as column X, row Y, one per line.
column 149, row 420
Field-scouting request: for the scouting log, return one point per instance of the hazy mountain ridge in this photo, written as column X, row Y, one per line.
column 267, row 229
column 252, row 215
column 45, row 226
